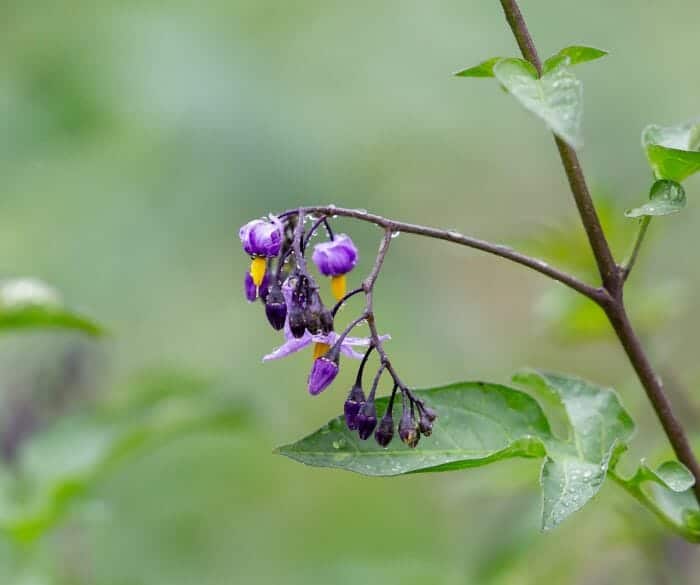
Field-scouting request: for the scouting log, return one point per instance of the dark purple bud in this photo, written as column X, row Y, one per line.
column 324, row 371
column 297, row 321
column 326, row 321
column 276, row 308
column 430, row 414
column 352, row 406
column 408, row 429
column 366, row 420
column 336, row 257
column 385, row 430
column 261, row 237
column 425, row 426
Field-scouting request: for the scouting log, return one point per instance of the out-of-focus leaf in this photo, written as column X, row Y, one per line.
column 673, row 151
column 576, row 319
column 576, row 54
column 482, row 423
column 556, row 97
column 665, row 197
column 27, row 303
column 66, row 461
column 483, row 69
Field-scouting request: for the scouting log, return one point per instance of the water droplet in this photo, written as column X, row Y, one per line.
column 395, row 235
column 339, row 444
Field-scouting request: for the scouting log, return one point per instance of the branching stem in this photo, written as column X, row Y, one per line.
column 612, row 275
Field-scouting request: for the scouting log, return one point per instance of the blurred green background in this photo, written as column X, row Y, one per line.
column 138, row 136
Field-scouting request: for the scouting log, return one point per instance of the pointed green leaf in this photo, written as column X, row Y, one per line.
column 556, row 98
column 665, row 197
column 27, row 303
column 673, row 151
column 670, row 474
column 577, row 54
column 599, row 428
column 483, row 69
column 478, row 423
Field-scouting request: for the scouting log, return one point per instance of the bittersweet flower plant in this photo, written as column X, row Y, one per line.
column 467, row 424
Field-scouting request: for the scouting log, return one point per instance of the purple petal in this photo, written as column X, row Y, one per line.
column 336, row 257
column 261, row 238
column 289, row 347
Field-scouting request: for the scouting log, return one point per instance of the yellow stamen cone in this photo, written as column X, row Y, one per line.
column 257, row 270
column 339, row 286
column 320, row 349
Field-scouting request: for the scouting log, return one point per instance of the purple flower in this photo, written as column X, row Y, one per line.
column 323, row 372
column 336, row 257
column 262, row 238
column 251, row 291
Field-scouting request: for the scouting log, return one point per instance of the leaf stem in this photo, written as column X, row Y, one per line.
column 612, row 275
column 641, row 233
column 636, row 491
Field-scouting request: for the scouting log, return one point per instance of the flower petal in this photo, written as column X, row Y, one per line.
column 289, row 347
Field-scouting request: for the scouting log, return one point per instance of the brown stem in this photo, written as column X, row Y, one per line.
column 612, row 275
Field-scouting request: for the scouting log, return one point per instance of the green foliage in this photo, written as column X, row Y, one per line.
column 665, row 197
column 576, row 54
column 673, row 151
column 66, row 461
column 482, row 423
column 483, row 69
column 27, row 303
column 556, row 97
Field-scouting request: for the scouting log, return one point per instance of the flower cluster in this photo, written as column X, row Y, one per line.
column 279, row 278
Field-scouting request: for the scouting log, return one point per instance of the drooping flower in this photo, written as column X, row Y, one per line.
column 275, row 307
column 336, row 258
column 324, row 370
column 261, row 239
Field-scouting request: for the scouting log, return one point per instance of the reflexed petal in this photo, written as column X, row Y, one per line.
column 289, row 347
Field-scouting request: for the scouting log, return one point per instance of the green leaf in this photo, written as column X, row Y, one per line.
column 483, row 69
column 665, row 197
column 27, row 303
column 556, row 98
column 65, row 462
column 598, row 428
column 577, row 54
column 670, row 474
column 481, row 423
column 673, row 151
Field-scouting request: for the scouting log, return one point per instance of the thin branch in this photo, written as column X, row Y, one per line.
column 611, row 274
column 601, row 250
column 502, row 251
column 641, row 233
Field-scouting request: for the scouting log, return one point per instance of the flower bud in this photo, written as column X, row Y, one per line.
column 385, row 430
column 366, row 419
column 425, row 425
column 352, row 406
column 408, row 429
column 276, row 308
column 297, row 321
column 326, row 321
column 324, row 371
